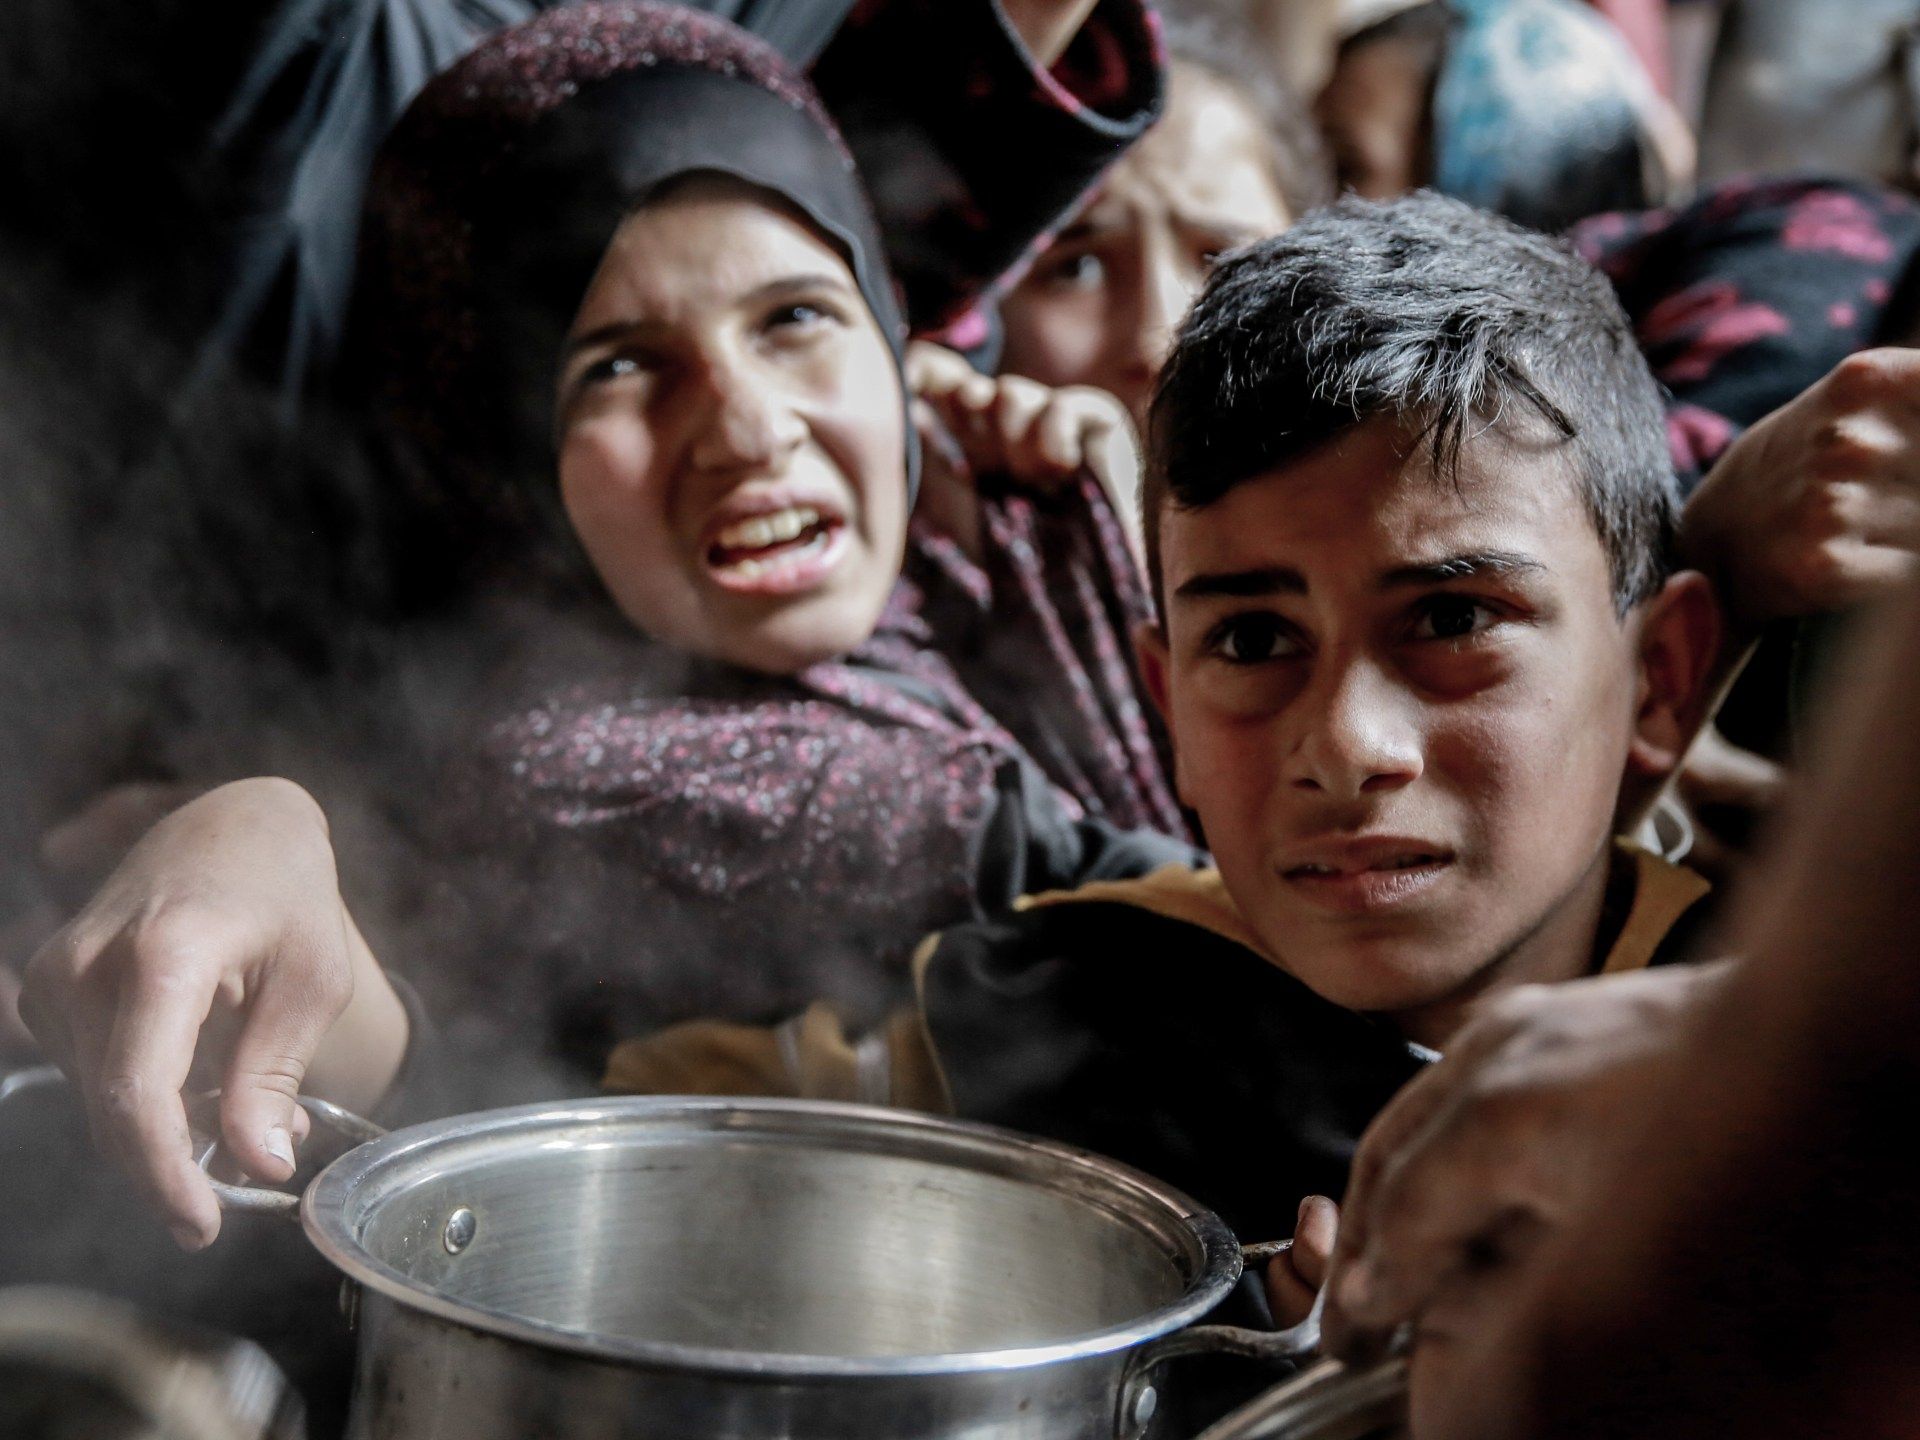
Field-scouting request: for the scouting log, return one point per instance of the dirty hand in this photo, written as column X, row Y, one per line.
column 1032, row 433
column 1817, row 506
column 218, row 952
column 1294, row 1278
column 1473, row 1162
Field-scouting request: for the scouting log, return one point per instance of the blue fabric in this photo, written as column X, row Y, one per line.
column 1535, row 113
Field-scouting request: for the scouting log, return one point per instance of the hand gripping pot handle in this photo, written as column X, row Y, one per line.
column 1296, row 1342
column 253, row 1200
column 1139, row 1397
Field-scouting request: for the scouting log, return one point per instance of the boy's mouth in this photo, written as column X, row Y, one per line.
column 1359, row 876
column 777, row 551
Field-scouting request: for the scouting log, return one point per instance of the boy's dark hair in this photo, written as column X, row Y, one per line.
column 1425, row 309
column 1215, row 37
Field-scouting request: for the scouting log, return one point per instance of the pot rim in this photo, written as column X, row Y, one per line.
column 410, row 1152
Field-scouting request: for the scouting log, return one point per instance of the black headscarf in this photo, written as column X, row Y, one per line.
column 491, row 206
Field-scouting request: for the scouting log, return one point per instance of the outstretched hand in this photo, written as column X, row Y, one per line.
column 1816, row 507
column 217, row 953
column 1496, row 1146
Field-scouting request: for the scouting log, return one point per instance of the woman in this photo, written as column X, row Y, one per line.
column 708, row 752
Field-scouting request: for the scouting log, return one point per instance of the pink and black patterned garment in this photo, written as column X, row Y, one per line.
column 1747, row 296
column 631, row 835
column 667, row 840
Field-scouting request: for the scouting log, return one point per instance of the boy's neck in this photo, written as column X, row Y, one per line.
column 1565, row 946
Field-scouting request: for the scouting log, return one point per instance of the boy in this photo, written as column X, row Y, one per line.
column 1420, row 653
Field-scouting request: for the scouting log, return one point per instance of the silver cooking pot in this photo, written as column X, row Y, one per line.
column 693, row 1268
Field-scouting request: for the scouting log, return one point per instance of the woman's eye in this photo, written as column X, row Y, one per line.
column 1077, row 272
column 1251, row 639
column 799, row 317
column 1452, row 617
column 613, row 367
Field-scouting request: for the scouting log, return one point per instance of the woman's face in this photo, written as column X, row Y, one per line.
column 731, row 434
column 1100, row 306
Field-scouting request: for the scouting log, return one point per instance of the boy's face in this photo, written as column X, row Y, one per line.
column 1403, row 709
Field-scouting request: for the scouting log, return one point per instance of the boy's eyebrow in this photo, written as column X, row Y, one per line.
column 1244, row 584
column 1285, row 580
column 1461, row 567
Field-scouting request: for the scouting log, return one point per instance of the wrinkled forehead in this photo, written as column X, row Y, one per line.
column 709, row 241
column 1209, row 156
column 1369, row 503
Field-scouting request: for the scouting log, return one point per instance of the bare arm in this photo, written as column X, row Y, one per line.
column 218, row 953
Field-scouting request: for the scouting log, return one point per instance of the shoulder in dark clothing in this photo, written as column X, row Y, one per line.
column 1137, row 1020
column 1164, row 1045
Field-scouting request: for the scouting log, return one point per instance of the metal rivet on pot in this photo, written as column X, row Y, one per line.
column 459, row 1233
column 1144, row 1404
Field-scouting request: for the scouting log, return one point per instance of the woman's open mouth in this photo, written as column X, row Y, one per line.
column 778, row 552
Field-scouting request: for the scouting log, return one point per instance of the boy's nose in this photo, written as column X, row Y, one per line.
column 1356, row 737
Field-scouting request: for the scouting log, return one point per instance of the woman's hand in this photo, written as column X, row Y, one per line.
column 1817, row 507
column 1294, row 1278
column 218, row 952
column 1034, row 434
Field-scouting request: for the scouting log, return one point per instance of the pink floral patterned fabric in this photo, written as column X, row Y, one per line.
column 1749, row 295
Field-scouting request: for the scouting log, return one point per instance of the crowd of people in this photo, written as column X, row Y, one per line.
column 1313, row 597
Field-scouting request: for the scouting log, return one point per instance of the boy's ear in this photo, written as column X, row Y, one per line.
column 1150, row 648
column 1678, row 644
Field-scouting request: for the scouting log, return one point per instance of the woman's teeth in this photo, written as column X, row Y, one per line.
column 763, row 531
column 752, row 569
column 773, row 548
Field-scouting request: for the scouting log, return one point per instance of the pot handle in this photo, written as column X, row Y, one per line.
column 254, row 1200
column 1296, row 1342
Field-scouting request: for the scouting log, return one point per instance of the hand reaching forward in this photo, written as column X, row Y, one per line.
column 218, row 953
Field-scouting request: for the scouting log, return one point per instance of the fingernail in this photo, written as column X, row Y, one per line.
column 279, row 1145
column 187, row 1238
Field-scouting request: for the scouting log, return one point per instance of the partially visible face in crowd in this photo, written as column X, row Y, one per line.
column 1403, row 709
column 1101, row 305
column 1373, row 112
column 730, row 433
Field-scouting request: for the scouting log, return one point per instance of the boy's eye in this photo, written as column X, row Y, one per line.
column 1452, row 617
column 1252, row 639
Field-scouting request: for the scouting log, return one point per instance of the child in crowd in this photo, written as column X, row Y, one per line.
column 1423, row 653
column 1233, row 159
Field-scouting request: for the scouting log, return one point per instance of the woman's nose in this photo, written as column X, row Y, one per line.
column 748, row 424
